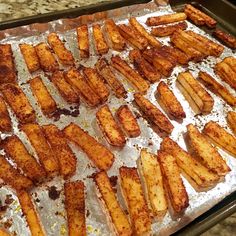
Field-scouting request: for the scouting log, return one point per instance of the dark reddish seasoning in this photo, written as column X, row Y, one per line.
column 8, row 223
column 113, row 180
column 53, row 193
column 137, row 115
column 8, row 199
column 87, row 213
column 37, row 200
column 74, row 112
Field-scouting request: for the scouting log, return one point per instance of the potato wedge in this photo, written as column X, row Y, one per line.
column 231, row 120
column 228, row 39
column 83, row 41
column 5, row 120
column 231, row 61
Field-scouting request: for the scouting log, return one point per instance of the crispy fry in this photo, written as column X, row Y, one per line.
column 227, row 39
column 3, row 232
column 43, row 97
column 116, row 217
column 231, row 61
column 135, row 201
column 18, row 102
column 47, row 60
column 30, row 213
column 166, row 19
column 153, row 113
column 75, row 208
column 169, row 101
column 44, row 152
column 30, row 57
column 7, row 66
column 104, row 69
column 12, row 176
column 205, row 152
column 64, row 55
column 99, row 154
column 130, row 74
column 151, row 40
column 194, row 17
column 75, row 79
column 66, row 158
column 220, row 137
column 83, row 41
column 5, row 120
column 231, row 120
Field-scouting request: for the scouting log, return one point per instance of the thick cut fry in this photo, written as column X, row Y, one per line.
column 96, row 83
column 220, row 137
column 7, row 66
column 30, row 57
column 70, row 94
column 231, row 120
column 3, row 232
column 99, row 40
column 18, row 102
column 217, row 88
column 115, row 215
column 15, row 149
column 104, row 69
column 199, row 99
column 30, row 213
column 66, row 158
column 64, row 55
column 194, row 170
column 144, row 68
column 166, row 19
column 135, row 201
column 128, row 121
column 12, row 176
column 83, row 41
column 130, row 74
column 46, row 59
column 109, row 127
column 151, row 40
column 227, row 39
column 150, row 171
column 5, row 120
column 75, row 208
column 231, row 61
column 117, row 41
column 77, row 81
column 99, row 154
column 206, row 153
column 43, row 97
column 153, row 113
column 133, row 36
column 173, row 182
column 194, row 17
column 44, row 152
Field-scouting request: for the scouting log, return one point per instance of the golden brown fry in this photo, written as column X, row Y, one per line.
column 205, row 152
column 30, row 213
column 231, row 120
column 75, row 208
column 83, row 41
column 194, row 17
column 18, row 102
column 153, row 113
column 3, row 232
column 135, row 201
column 66, row 158
column 5, row 120
column 12, row 176
column 227, row 39
column 47, row 60
column 128, row 121
column 44, row 152
column 99, row 154
column 43, row 97
column 169, row 101
column 30, row 57
column 118, row 220
column 231, row 61
column 130, row 74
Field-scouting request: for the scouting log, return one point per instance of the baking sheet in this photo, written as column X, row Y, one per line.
column 52, row 213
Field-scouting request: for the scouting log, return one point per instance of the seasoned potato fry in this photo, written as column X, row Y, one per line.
column 153, row 113
column 220, row 137
column 3, row 232
column 44, row 152
column 43, row 97
column 118, row 220
column 75, row 79
column 46, row 59
column 231, row 120
column 206, row 153
column 99, row 154
column 66, row 158
column 169, row 101
column 130, row 74
column 135, row 201
column 64, row 55
column 227, row 39
column 173, row 182
column 12, row 176
column 166, row 19
column 231, row 61
column 30, row 213
column 5, row 120
column 109, row 127
column 18, row 102
column 104, row 69
column 75, row 208
column 30, row 57
column 83, row 41
column 194, row 17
